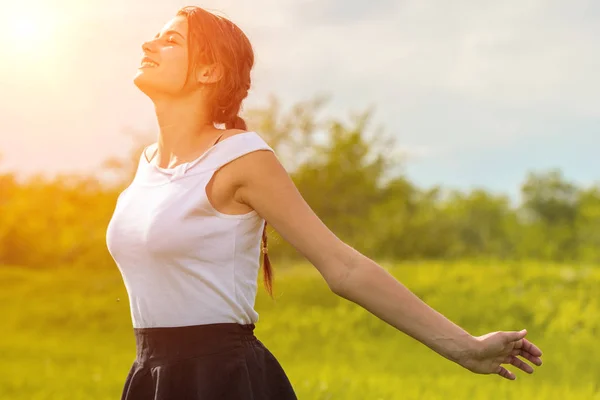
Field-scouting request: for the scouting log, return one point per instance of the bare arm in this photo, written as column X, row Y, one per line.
column 266, row 187
column 373, row 288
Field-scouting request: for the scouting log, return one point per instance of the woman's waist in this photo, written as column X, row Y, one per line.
column 163, row 345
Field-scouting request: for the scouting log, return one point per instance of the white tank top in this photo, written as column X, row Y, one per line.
column 182, row 261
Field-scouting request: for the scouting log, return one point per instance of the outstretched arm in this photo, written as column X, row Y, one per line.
column 372, row 287
column 266, row 187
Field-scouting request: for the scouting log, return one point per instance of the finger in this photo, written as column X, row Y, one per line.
column 520, row 364
column 503, row 372
column 515, row 335
column 529, row 351
column 529, row 357
column 531, row 348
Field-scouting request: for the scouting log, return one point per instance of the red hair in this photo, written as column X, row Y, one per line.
column 217, row 40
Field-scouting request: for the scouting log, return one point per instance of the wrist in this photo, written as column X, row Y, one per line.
column 466, row 351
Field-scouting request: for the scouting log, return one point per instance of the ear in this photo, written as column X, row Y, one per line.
column 207, row 74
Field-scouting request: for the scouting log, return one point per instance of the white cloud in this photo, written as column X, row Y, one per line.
column 527, row 55
column 457, row 74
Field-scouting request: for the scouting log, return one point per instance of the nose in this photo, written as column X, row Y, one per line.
column 148, row 46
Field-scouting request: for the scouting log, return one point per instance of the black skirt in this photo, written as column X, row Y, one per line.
column 222, row 361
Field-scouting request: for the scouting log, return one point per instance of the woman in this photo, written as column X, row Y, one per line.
column 186, row 236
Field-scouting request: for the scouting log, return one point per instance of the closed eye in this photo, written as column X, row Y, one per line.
column 170, row 35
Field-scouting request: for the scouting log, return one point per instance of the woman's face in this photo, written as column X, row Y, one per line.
column 164, row 68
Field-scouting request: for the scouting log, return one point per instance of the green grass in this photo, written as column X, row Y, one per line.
column 66, row 334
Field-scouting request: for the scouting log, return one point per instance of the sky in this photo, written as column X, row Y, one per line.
column 476, row 92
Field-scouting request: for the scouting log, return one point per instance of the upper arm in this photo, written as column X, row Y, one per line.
column 267, row 187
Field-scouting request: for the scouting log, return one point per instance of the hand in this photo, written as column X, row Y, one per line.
column 496, row 348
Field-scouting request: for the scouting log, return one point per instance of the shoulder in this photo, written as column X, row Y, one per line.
column 252, row 150
column 235, row 132
column 248, row 139
column 256, row 159
column 252, row 158
column 232, row 132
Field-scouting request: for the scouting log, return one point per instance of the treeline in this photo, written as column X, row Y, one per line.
column 351, row 175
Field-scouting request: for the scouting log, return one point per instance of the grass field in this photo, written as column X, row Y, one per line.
column 67, row 334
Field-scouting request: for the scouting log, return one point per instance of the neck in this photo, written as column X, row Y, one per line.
column 183, row 123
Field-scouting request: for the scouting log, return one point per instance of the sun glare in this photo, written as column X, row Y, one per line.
column 28, row 32
column 25, row 27
column 28, row 40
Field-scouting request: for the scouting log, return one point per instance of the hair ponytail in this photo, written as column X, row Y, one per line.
column 236, row 122
column 267, row 270
column 215, row 39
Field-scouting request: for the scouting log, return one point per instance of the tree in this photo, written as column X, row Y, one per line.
column 549, row 208
column 588, row 224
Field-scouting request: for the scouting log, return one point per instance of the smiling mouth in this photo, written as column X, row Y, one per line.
column 146, row 63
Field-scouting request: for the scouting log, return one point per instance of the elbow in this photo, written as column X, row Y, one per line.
column 335, row 275
column 350, row 275
column 338, row 266
column 336, row 284
column 339, row 281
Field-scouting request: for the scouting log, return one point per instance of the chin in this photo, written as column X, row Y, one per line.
column 145, row 84
column 153, row 87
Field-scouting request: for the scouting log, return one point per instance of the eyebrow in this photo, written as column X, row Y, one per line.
column 168, row 32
